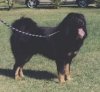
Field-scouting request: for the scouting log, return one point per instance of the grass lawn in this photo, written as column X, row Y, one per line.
column 40, row 72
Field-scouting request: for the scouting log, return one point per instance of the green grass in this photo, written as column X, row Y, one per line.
column 85, row 66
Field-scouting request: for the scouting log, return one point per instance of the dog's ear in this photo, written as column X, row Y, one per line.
column 64, row 26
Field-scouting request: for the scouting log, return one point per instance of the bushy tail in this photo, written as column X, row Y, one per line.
column 26, row 25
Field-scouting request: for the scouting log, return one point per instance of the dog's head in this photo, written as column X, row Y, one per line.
column 74, row 25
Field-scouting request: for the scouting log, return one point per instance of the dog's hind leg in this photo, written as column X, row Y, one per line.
column 18, row 67
column 18, row 71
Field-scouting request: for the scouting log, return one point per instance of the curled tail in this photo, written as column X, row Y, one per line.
column 24, row 25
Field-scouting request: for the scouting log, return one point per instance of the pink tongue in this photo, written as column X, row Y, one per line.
column 81, row 33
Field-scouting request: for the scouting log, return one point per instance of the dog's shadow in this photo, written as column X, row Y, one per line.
column 30, row 73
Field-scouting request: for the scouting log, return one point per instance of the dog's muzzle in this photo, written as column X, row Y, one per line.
column 81, row 33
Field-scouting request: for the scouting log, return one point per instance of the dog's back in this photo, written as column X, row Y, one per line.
column 19, row 41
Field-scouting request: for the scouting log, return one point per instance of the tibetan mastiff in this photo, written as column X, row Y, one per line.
column 60, row 43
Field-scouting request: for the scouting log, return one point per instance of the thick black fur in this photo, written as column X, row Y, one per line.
column 59, row 47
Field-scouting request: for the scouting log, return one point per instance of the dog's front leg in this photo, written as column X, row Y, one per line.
column 67, row 71
column 61, row 72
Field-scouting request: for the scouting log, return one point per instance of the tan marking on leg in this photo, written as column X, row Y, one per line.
column 21, row 72
column 17, row 75
column 67, row 72
column 61, row 78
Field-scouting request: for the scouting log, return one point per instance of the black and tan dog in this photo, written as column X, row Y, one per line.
column 61, row 47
